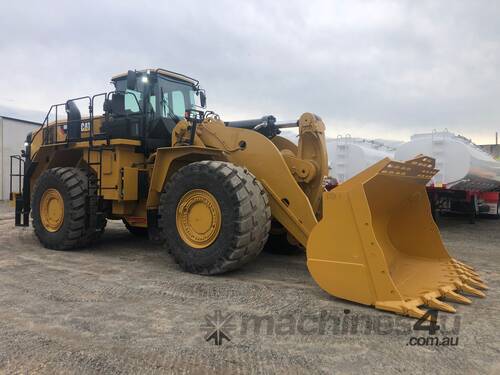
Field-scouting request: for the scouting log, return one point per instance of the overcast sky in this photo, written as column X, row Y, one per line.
column 375, row 69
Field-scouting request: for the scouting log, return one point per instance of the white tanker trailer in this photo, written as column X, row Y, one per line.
column 462, row 165
column 468, row 176
column 349, row 156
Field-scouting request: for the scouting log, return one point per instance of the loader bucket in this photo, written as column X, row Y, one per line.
column 377, row 243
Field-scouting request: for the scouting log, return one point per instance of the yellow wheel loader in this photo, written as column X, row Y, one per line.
column 210, row 191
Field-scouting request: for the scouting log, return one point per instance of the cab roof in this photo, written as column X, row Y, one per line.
column 163, row 72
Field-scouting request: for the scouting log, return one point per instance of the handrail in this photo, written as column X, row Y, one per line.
column 19, row 175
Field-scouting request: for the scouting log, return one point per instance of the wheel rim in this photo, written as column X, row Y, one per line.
column 198, row 218
column 52, row 210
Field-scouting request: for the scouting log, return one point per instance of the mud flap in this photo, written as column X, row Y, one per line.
column 377, row 243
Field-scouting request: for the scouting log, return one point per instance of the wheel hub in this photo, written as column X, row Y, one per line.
column 52, row 210
column 198, row 218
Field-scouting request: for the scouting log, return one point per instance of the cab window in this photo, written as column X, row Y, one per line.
column 173, row 103
column 177, row 96
column 131, row 102
column 178, row 104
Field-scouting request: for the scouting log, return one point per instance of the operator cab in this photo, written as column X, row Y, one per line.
column 147, row 105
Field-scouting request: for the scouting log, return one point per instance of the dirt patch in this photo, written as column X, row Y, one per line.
column 124, row 306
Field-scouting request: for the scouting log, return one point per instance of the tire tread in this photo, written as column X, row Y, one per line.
column 252, row 211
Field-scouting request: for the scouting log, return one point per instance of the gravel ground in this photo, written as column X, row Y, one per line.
column 124, row 306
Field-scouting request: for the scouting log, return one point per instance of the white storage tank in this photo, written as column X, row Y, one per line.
column 462, row 164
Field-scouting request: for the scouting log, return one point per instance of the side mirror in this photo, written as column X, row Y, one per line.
column 203, row 99
column 131, row 80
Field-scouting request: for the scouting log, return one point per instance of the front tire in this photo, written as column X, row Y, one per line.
column 59, row 209
column 214, row 217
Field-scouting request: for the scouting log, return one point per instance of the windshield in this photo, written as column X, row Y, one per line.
column 176, row 97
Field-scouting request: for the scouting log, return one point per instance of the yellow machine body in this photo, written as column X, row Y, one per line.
column 370, row 240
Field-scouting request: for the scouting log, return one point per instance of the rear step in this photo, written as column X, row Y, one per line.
column 22, row 218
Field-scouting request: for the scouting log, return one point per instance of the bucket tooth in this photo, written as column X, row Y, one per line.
column 468, row 289
column 462, row 264
column 477, row 278
column 434, row 303
column 473, row 283
column 465, row 271
column 455, row 297
column 468, row 274
column 408, row 308
column 415, row 312
column 471, row 273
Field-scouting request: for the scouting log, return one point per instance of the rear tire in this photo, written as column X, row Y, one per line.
column 238, row 207
column 69, row 187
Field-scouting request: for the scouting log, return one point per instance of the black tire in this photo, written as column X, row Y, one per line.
column 72, row 184
column 136, row 231
column 245, row 213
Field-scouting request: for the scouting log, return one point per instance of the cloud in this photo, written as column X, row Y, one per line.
column 368, row 68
